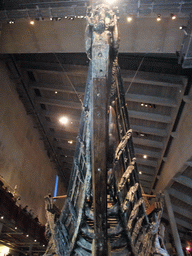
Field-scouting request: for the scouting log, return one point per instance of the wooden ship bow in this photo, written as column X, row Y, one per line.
column 105, row 212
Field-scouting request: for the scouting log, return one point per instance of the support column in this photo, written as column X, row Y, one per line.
column 173, row 225
column 1, row 227
column 30, row 249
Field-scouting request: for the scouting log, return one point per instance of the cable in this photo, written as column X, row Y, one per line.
column 69, row 80
column 135, row 73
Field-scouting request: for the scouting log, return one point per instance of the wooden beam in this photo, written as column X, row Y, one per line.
column 99, row 164
column 151, row 100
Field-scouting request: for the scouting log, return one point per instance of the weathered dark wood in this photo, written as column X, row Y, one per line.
column 99, row 165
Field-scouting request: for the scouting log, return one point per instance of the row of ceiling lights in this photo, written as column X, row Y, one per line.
column 35, row 240
column 129, row 18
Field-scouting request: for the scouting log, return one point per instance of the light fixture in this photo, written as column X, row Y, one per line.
column 11, row 22
column 15, row 227
column 32, row 22
column 43, row 245
column 51, row 18
column 35, row 240
column 27, row 235
column 4, row 250
column 63, row 120
column 71, row 122
column 159, row 17
column 55, row 92
column 129, row 18
column 140, row 172
column 185, row 29
column 146, row 105
column 145, row 156
column 2, row 217
column 110, row 1
column 142, row 134
column 142, row 104
column 173, row 16
column 70, row 141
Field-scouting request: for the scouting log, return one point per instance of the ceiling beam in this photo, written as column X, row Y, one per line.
column 149, row 116
column 145, row 184
column 151, row 100
column 145, row 177
column 129, row 97
column 128, row 76
column 182, row 211
column 184, row 181
column 180, row 222
column 147, row 162
column 149, row 130
column 147, row 170
column 148, row 143
column 141, row 151
column 181, row 196
column 57, row 87
column 58, row 103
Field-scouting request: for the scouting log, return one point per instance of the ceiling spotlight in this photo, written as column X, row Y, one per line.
column 15, row 227
column 173, row 16
column 59, row 19
column 51, row 18
column 159, row 17
column 63, row 120
column 70, row 141
column 32, row 22
column 140, row 172
column 35, row 240
column 11, row 22
column 142, row 134
column 55, row 92
column 145, row 156
column 129, row 18
column 142, row 104
column 2, row 217
column 110, row 1
column 27, row 235
column 43, row 245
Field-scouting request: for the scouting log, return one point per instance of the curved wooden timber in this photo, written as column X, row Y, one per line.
column 104, row 213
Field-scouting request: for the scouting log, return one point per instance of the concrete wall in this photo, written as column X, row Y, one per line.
column 180, row 150
column 141, row 35
column 23, row 161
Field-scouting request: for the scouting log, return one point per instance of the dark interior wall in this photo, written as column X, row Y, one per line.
column 23, row 160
